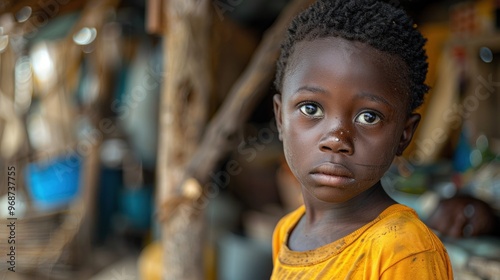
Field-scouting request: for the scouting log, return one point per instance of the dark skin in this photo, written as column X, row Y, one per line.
column 342, row 116
column 463, row 216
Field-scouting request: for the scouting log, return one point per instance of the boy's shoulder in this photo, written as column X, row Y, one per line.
column 401, row 219
column 400, row 227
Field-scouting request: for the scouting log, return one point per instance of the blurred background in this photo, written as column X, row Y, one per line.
column 137, row 138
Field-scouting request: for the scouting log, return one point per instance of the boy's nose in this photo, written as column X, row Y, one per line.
column 338, row 141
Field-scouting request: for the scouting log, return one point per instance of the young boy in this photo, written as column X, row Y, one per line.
column 350, row 75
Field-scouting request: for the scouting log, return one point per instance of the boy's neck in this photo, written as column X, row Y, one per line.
column 324, row 223
column 359, row 210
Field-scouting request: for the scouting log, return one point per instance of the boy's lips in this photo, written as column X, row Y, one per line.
column 332, row 174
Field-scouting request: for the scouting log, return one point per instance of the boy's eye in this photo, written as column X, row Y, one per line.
column 368, row 118
column 311, row 110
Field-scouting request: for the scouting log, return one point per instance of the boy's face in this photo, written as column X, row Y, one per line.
column 342, row 116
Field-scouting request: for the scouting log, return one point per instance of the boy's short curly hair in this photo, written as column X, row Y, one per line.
column 382, row 25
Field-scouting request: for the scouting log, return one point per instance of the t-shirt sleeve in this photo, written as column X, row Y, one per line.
column 277, row 239
column 282, row 228
column 425, row 265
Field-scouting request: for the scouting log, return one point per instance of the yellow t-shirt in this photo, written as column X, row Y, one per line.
column 395, row 245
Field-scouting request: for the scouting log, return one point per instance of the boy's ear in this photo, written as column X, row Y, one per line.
column 277, row 113
column 409, row 130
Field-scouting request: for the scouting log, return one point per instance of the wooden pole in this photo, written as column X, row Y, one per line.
column 184, row 106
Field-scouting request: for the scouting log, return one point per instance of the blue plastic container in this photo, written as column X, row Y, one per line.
column 55, row 183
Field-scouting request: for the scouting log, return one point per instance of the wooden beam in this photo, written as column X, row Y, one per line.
column 155, row 23
column 183, row 114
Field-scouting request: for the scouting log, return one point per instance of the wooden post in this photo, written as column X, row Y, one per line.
column 183, row 114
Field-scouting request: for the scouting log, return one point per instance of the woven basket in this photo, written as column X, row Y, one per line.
column 40, row 241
